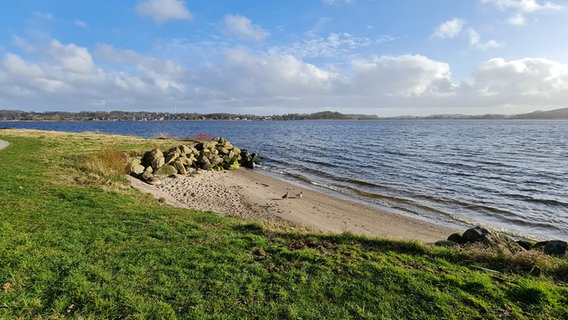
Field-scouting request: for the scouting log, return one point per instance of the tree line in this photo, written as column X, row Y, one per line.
column 17, row 115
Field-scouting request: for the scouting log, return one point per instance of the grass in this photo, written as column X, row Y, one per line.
column 77, row 242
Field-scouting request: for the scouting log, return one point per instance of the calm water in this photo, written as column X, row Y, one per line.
column 510, row 175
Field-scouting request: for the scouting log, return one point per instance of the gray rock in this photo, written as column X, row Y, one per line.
column 154, row 181
column 147, row 174
column 180, row 167
column 552, row 247
column 136, row 169
column 223, row 150
column 135, row 161
column 185, row 149
column 166, row 170
column 154, row 158
column 491, row 239
column 456, row 238
column 477, row 234
column 172, row 155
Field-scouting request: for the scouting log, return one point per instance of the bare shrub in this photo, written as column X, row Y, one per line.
column 200, row 136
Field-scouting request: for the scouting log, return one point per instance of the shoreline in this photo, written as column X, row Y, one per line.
column 251, row 194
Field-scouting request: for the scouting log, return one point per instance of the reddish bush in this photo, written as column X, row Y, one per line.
column 200, row 136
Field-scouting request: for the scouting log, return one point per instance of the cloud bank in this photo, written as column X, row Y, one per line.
column 60, row 76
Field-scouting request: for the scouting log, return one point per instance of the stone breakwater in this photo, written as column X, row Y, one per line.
column 218, row 154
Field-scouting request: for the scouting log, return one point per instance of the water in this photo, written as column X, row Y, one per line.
column 509, row 175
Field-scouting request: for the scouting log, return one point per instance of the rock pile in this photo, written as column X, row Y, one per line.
column 505, row 244
column 218, row 154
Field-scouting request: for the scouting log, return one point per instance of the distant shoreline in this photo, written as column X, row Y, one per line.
column 58, row 116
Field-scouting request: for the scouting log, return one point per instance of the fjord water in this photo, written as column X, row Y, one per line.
column 506, row 174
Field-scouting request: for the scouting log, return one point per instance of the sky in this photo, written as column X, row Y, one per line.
column 389, row 58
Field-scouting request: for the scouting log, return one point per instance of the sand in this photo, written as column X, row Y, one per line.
column 248, row 193
column 3, row 144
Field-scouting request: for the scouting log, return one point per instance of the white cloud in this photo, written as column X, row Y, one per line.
column 158, row 68
column 454, row 28
column 449, row 29
column 245, row 75
column 475, row 41
column 81, row 24
column 521, row 8
column 71, row 57
column 19, row 68
column 517, row 19
column 164, row 10
column 334, row 2
column 332, row 45
column 242, row 27
column 517, row 80
column 525, row 6
column 406, row 75
column 66, row 76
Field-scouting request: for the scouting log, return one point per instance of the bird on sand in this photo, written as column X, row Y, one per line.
column 299, row 195
column 285, row 196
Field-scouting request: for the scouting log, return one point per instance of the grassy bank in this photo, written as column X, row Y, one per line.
column 77, row 242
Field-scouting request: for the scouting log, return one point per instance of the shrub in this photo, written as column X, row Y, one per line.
column 200, row 136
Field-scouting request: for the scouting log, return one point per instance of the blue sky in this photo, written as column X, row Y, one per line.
column 407, row 57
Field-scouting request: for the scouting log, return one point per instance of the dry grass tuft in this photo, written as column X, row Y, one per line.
column 530, row 261
column 108, row 162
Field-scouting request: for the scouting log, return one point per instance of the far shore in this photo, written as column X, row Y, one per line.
column 248, row 193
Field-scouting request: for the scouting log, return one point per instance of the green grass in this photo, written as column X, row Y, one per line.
column 77, row 242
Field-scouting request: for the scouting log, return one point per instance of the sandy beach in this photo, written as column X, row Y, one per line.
column 251, row 194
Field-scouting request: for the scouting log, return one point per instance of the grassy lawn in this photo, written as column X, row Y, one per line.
column 77, row 242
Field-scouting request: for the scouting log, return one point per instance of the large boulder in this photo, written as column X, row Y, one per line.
column 180, row 167
column 477, row 234
column 249, row 160
column 552, row 247
column 147, row 174
column 456, row 238
column 487, row 238
column 154, row 158
column 172, row 155
column 136, row 167
column 166, row 170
